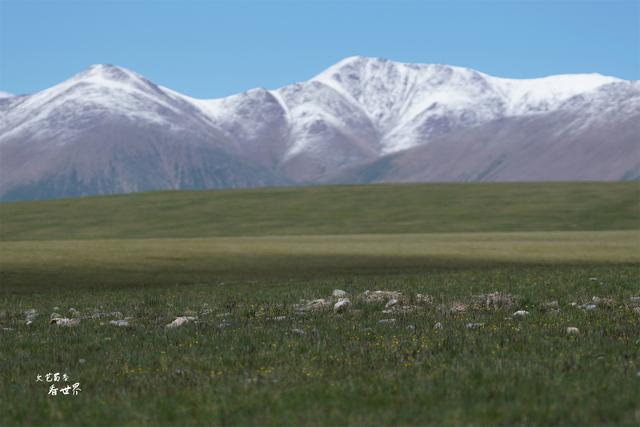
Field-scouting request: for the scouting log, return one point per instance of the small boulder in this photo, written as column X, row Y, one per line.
column 424, row 299
column 474, row 325
column 55, row 316
column 391, row 303
column 120, row 323
column 438, row 325
column 342, row 305
column 180, row 320
column 339, row 293
column 64, row 321
column 521, row 313
column 31, row 314
column 572, row 330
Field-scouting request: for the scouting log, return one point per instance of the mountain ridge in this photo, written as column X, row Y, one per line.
column 111, row 125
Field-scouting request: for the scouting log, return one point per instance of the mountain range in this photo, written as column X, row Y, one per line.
column 109, row 130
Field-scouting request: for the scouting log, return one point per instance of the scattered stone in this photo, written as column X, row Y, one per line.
column 120, row 323
column 438, row 325
column 73, row 312
column 339, row 293
column 300, row 332
column 521, row 313
column 29, row 322
column 593, row 279
column 386, row 321
column 411, row 327
column 280, row 318
column 495, row 300
column 181, row 320
column 82, row 361
column 391, row 303
column 64, row 321
column 31, row 314
column 314, row 305
column 634, row 299
column 589, row 307
column 424, row 299
column 572, row 330
column 224, row 324
column 381, row 296
column 458, row 307
column 56, row 308
column 342, row 305
column 223, row 315
column 474, row 325
column 636, row 309
column 55, row 316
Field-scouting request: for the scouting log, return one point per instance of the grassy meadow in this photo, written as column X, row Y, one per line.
column 244, row 264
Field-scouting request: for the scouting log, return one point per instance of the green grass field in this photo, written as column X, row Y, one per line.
column 241, row 260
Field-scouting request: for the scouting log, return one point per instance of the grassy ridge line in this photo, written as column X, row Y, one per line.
column 50, row 265
column 381, row 209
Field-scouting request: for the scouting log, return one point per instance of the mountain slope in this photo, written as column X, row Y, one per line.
column 593, row 137
column 109, row 130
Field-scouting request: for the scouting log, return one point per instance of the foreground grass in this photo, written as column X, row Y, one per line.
column 242, row 364
column 379, row 209
column 240, row 261
column 55, row 265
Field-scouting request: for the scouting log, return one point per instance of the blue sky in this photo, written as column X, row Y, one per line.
column 210, row 49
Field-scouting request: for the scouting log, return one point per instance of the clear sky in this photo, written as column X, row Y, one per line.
column 214, row 48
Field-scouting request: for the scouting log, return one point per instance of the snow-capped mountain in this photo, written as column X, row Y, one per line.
column 109, row 130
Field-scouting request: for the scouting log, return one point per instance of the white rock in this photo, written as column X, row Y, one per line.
column 572, row 330
column 386, row 321
column 31, row 314
column 342, row 305
column 521, row 313
column 424, row 299
column 635, row 299
column 589, row 307
column 181, row 320
column 474, row 325
column 73, row 312
column 339, row 293
column 381, row 296
column 392, row 302
column 593, row 279
column 299, row 332
column 120, row 323
column 411, row 327
column 438, row 325
column 280, row 318
column 64, row 321
column 55, row 316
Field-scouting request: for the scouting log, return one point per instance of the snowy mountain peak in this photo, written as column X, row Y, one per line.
column 118, row 131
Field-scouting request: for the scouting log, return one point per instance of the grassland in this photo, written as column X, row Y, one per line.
column 241, row 261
